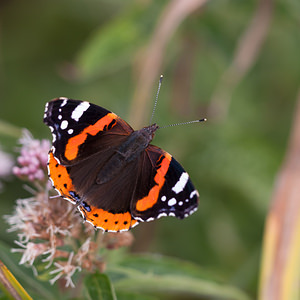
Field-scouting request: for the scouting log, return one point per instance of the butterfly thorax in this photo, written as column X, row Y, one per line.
column 126, row 153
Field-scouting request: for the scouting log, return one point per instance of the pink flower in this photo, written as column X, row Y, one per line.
column 66, row 270
column 33, row 159
column 49, row 227
column 30, row 252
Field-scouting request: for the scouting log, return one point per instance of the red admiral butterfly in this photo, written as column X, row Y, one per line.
column 111, row 172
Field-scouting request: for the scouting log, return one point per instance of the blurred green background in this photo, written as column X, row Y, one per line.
column 91, row 50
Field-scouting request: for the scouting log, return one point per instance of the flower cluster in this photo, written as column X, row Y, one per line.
column 33, row 158
column 50, row 231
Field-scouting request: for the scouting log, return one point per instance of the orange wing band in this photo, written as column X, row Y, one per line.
column 149, row 200
column 108, row 221
column 59, row 176
column 74, row 142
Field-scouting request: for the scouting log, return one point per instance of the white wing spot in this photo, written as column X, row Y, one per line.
column 64, row 102
column 180, row 203
column 70, row 131
column 79, row 110
column 53, row 149
column 163, row 198
column 161, row 215
column 64, row 124
column 193, row 210
column 139, row 219
column 172, row 202
column 186, row 200
column 181, row 183
column 59, row 117
column 193, row 193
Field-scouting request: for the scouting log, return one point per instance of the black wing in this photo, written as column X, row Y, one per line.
column 81, row 129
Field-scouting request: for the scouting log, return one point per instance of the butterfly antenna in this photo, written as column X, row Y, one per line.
column 156, row 98
column 184, row 123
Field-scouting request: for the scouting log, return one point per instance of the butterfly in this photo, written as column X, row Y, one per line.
column 111, row 172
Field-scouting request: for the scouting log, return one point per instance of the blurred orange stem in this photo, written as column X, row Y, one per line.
column 280, row 266
column 151, row 63
column 247, row 50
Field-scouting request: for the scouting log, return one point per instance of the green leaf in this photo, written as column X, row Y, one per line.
column 135, row 296
column 98, row 286
column 162, row 275
column 111, row 47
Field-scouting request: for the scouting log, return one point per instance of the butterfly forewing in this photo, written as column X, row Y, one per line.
column 163, row 188
column 81, row 129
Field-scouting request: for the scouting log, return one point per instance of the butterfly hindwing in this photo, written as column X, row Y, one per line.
column 106, row 205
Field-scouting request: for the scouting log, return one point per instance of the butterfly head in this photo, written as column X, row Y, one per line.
column 150, row 131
